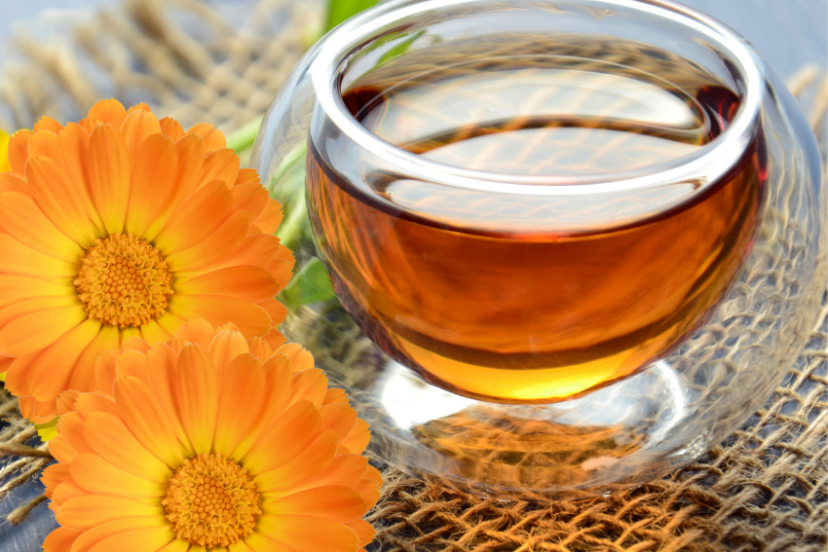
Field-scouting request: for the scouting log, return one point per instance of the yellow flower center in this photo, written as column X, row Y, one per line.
column 212, row 502
column 124, row 281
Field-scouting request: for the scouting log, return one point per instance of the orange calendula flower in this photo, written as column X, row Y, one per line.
column 120, row 226
column 210, row 442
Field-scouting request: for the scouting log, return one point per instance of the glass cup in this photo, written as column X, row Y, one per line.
column 585, row 235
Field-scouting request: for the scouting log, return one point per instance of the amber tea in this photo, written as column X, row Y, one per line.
column 516, row 297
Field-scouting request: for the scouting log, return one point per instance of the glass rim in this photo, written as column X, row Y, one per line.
column 702, row 168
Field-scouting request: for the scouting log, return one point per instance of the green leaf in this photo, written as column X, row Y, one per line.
column 340, row 10
column 311, row 285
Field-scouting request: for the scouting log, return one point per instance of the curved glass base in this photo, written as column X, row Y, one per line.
column 632, row 431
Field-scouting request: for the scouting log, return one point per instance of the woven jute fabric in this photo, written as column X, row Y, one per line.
column 764, row 489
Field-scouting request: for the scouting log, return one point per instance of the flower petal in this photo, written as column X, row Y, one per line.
column 109, row 176
column 60, row 199
column 114, row 527
column 38, row 330
column 70, row 427
column 74, row 148
column 242, row 394
column 163, row 373
column 258, row 543
column 23, row 260
column 109, row 437
column 289, row 435
column 308, row 385
column 10, row 182
column 60, row 540
column 334, row 502
column 171, row 129
column 227, row 345
column 152, row 333
column 89, row 403
column 285, row 478
column 270, row 218
column 293, row 531
column 148, row 421
column 364, row 530
column 198, row 217
column 178, row 545
column 338, row 417
column 251, row 319
column 109, row 111
column 18, row 150
column 196, row 394
column 156, row 170
column 138, row 540
column 137, row 127
column 24, row 220
column 97, row 476
column 83, row 376
column 213, row 138
column 14, row 288
column 201, row 257
column 357, row 440
column 250, row 283
column 248, row 176
column 251, row 198
column 52, row 370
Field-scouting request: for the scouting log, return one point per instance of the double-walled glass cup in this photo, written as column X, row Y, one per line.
column 586, row 234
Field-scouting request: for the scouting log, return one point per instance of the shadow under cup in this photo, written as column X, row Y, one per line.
column 586, row 233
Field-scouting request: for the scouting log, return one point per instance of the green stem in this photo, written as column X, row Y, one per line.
column 243, row 137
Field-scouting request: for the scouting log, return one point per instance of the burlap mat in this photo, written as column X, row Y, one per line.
column 765, row 488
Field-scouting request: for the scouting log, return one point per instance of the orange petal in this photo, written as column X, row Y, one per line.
column 338, row 417
column 45, row 143
column 345, row 470
column 171, row 129
column 24, row 220
column 310, row 462
column 99, row 532
column 260, row 348
column 201, row 215
column 335, row 396
column 270, row 218
column 61, row 450
column 83, row 376
column 251, row 319
column 180, row 545
column 140, row 106
column 357, row 440
column 136, row 128
column 203, row 256
column 148, row 421
column 364, row 530
column 18, row 150
column 240, row 401
column 335, row 502
column 74, row 148
column 254, row 250
column 213, row 138
column 54, row 475
column 70, row 427
column 156, row 169
column 10, row 182
column 47, row 123
column 220, row 165
column 277, row 369
column 251, row 283
column 251, row 198
column 289, row 435
column 97, row 476
column 109, row 437
column 163, row 361
column 23, row 260
column 293, row 531
column 52, row 370
column 137, row 540
column 197, row 332
column 196, row 394
column 109, row 176
column 152, row 333
column 277, row 311
column 66, row 490
column 227, row 345
column 89, row 403
column 132, row 363
column 38, row 330
column 248, row 176
column 35, row 304
column 14, row 288
column 60, row 540
column 369, row 490
column 18, row 378
column 258, row 543
column 308, row 385
column 60, row 199
column 190, row 151
column 109, row 111
column 275, row 339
